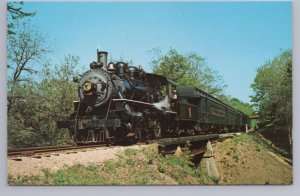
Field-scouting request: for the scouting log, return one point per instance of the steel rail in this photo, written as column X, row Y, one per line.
column 36, row 150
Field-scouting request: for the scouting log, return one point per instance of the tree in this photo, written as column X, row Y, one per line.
column 273, row 95
column 26, row 49
column 26, row 46
column 15, row 12
column 241, row 106
column 34, row 118
column 35, row 102
column 189, row 70
column 59, row 92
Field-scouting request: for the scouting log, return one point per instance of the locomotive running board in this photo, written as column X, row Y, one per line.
column 133, row 101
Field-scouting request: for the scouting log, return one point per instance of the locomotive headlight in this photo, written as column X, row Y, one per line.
column 87, row 86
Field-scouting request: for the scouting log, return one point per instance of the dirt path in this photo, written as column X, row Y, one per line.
column 29, row 166
column 241, row 160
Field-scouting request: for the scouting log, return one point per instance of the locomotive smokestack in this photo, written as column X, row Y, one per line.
column 102, row 58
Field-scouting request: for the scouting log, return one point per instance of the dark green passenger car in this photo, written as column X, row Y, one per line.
column 201, row 111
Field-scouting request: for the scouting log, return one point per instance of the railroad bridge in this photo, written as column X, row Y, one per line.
column 200, row 148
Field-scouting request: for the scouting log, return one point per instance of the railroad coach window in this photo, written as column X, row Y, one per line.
column 171, row 91
column 183, row 100
column 163, row 90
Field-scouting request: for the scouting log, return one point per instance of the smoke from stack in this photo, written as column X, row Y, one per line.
column 163, row 105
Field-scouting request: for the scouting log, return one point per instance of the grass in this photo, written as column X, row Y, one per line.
column 233, row 146
column 242, row 138
column 132, row 167
column 75, row 175
column 182, row 170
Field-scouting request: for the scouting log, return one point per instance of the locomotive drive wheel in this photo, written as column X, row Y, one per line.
column 157, row 129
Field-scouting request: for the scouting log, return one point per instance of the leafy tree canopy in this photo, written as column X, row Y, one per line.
column 15, row 12
column 188, row 70
column 273, row 89
column 273, row 94
column 32, row 119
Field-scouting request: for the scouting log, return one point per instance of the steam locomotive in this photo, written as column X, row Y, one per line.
column 118, row 102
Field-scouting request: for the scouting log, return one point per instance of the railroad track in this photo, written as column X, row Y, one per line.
column 47, row 149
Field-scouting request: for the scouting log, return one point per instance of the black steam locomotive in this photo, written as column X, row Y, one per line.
column 118, row 102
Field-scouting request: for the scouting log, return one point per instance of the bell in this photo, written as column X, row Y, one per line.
column 111, row 67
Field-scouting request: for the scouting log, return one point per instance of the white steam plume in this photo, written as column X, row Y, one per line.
column 163, row 105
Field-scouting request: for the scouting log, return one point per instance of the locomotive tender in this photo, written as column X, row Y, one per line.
column 118, row 102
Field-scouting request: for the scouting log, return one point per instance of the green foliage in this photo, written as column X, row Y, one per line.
column 241, row 106
column 15, row 12
column 130, row 151
column 273, row 94
column 237, row 104
column 32, row 119
column 182, row 169
column 189, row 70
column 26, row 51
column 242, row 138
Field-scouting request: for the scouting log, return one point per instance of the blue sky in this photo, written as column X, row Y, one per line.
column 235, row 38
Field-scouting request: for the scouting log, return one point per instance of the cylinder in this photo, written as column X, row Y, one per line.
column 102, row 59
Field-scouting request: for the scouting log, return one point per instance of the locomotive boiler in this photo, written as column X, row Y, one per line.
column 118, row 102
